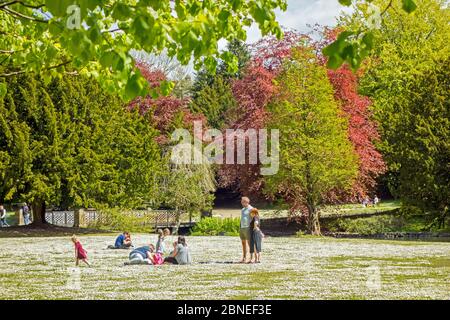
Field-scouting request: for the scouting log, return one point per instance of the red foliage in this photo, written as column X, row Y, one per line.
column 162, row 110
column 253, row 92
column 362, row 132
column 269, row 52
column 153, row 76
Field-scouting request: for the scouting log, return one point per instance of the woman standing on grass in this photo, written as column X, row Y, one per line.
column 80, row 253
column 256, row 236
column 180, row 254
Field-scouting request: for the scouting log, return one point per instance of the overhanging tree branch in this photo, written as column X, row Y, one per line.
column 20, row 15
column 15, row 73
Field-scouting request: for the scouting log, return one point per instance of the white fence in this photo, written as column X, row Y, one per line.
column 154, row 218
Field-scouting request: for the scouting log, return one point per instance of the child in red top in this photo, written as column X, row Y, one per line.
column 80, row 253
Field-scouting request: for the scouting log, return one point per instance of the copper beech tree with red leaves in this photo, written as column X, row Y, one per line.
column 167, row 113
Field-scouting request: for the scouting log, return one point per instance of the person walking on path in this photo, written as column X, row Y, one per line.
column 26, row 214
column 245, row 233
column 3, row 222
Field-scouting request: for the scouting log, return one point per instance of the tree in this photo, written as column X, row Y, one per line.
column 95, row 36
column 362, row 133
column 253, row 93
column 409, row 48
column 315, row 153
column 216, row 103
column 354, row 44
column 225, row 70
column 422, row 149
column 69, row 144
column 184, row 187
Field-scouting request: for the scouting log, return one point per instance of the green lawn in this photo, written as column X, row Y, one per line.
column 328, row 210
column 292, row 268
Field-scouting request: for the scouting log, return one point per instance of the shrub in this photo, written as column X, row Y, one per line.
column 368, row 226
column 217, row 226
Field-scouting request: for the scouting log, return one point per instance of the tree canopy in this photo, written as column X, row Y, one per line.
column 404, row 77
column 315, row 153
column 95, row 37
column 71, row 145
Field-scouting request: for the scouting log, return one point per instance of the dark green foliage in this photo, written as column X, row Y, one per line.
column 216, row 102
column 70, row 144
column 236, row 48
column 419, row 147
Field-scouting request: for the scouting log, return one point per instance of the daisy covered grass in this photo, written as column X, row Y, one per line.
column 291, row 268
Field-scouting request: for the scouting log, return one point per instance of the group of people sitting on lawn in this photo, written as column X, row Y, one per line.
column 147, row 255
column 250, row 234
column 154, row 254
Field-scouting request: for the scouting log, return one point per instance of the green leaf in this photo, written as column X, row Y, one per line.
column 167, row 87
column 409, row 5
column 121, row 11
column 58, row 7
column 3, row 89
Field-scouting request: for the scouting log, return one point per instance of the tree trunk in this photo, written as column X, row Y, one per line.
column 76, row 217
column 313, row 221
column 38, row 207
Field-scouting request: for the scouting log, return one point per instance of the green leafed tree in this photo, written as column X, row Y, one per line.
column 405, row 80
column 419, row 148
column 226, row 70
column 71, row 145
column 356, row 42
column 95, row 37
column 215, row 102
column 315, row 153
column 187, row 187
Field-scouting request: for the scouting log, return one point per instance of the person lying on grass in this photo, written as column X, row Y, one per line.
column 141, row 255
column 180, row 254
column 123, row 241
column 80, row 253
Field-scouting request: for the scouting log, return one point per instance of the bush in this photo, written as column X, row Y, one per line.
column 368, row 226
column 217, row 226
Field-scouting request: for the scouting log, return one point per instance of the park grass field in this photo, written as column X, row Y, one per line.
column 292, row 268
column 345, row 209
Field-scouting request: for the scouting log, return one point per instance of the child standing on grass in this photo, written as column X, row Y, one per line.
column 80, row 253
column 256, row 236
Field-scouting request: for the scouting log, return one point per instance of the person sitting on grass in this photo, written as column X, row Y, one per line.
column 80, row 253
column 256, row 236
column 180, row 254
column 123, row 241
column 141, row 255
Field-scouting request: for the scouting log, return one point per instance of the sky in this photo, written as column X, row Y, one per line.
column 300, row 13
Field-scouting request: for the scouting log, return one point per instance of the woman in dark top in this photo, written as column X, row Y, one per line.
column 256, row 236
